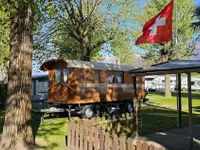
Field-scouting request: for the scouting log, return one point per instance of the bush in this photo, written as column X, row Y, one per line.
column 3, row 94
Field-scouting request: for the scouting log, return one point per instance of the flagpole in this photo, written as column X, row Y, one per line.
column 176, row 51
column 176, row 28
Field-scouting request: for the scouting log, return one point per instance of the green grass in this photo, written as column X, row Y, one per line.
column 51, row 132
column 156, row 119
column 157, row 98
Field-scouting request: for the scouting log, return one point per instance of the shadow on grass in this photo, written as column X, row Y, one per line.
column 35, row 123
column 196, row 108
column 155, row 119
column 52, row 131
column 184, row 94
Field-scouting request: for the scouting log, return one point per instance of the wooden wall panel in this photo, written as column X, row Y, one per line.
column 72, row 85
column 85, row 75
column 51, row 80
column 104, row 76
column 140, row 87
column 127, row 78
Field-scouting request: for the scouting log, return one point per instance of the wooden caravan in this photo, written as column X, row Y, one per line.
column 91, row 85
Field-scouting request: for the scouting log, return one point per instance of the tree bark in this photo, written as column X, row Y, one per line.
column 17, row 131
column 167, row 86
column 165, row 54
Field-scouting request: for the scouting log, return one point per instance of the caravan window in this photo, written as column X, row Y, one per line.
column 66, row 73
column 41, row 87
column 64, row 76
column 111, row 78
column 58, row 75
column 116, row 77
column 119, row 77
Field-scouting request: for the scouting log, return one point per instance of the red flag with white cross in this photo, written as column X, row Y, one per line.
column 159, row 28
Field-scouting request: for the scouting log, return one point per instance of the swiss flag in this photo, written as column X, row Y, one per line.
column 159, row 28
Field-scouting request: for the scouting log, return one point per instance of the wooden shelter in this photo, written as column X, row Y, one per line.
column 174, row 67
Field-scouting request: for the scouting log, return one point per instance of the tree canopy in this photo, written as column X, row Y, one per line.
column 4, row 34
column 196, row 23
column 79, row 29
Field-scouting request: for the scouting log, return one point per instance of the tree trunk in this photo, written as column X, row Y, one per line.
column 167, row 86
column 17, row 131
column 86, row 49
column 167, row 77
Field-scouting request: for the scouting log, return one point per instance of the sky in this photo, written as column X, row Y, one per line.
column 197, row 1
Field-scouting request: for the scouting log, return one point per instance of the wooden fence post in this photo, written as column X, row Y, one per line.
column 69, row 134
column 122, row 140
column 115, row 142
column 151, row 147
column 77, row 135
column 139, row 145
column 91, row 130
column 81, row 134
column 102, row 142
column 144, row 146
column 85, row 135
column 96, row 141
column 107, row 141
column 72, row 135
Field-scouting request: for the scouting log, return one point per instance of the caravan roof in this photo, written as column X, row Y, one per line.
column 84, row 64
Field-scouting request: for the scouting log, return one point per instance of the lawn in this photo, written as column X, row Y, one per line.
column 157, row 98
column 156, row 119
column 50, row 133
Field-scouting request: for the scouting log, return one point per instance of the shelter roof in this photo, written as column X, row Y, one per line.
column 170, row 67
column 85, row 64
column 36, row 75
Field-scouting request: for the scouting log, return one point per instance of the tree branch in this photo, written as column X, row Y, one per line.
column 99, row 43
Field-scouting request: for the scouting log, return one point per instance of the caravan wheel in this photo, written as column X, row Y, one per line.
column 88, row 112
column 129, row 107
column 183, row 89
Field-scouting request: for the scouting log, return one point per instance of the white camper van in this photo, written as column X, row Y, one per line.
column 195, row 83
column 159, row 83
column 149, row 83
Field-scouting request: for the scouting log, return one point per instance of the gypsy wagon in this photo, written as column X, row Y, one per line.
column 91, row 87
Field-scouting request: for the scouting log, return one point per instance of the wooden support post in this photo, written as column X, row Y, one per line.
column 69, row 112
column 179, row 105
column 34, row 87
column 190, row 110
column 135, row 119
